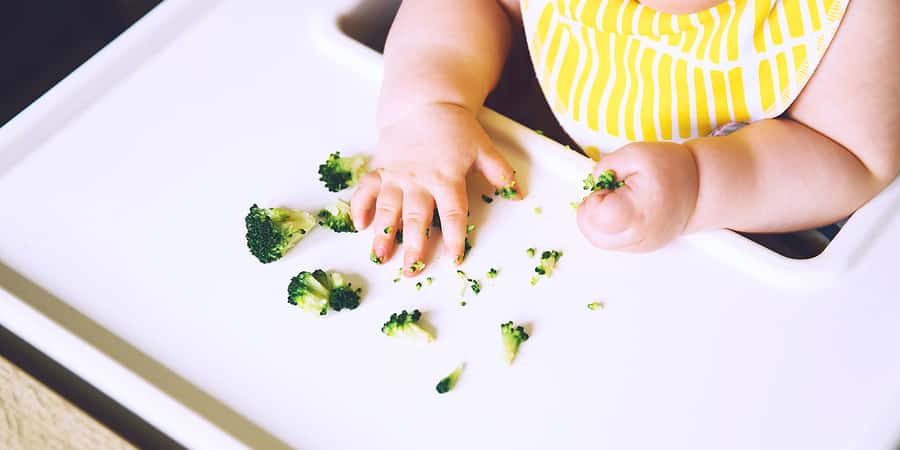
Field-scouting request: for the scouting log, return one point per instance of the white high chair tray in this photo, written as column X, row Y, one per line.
column 122, row 255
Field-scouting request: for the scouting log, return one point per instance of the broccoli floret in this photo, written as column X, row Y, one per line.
column 406, row 325
column 475, row 285
column 449, row 382
column 510, row 191
column 340, row 173
column 595, row 306
column 606, row 180
column 318, row 291
column 428, row 281
column 419, row 286
column 530, row 252
column 337, row 217
column 492, row 273
column 512, row 337
column 271, row 232
column 486, row 198
column 549, row 259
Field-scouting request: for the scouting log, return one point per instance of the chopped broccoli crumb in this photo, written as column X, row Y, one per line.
column 537, row 210
column 606, row 180
column 388, row 229
column 595, row 306
column 449, row 382
column 406, row 325
column 397, row 280
column 340, row 173
column 417, row 267
column 337, row 218
column 492, row 273
column 271, row 232
column 549, row 259
column 462, row 303
column 512, row 337
column 475, row 285
column 375, row 258
column 419, row 286
column 510, row 191
column 428, row 281
column 318, row 291
column 540, row 132
column 486, row 198
column 534, row 280
column 470, row 228
column 530, row 252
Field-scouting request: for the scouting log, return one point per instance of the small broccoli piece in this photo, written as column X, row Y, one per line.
column 318, row 291
column 340, row 173
column 406, row 325
column 510, row 191
column 492, row 273
column 462, row 303
column 375, row 258
column 574, row 205
column 539, row 132
column 397, row 280
column 449, row 382
column 475, row 285
column 419, row 286
column 595, row 306
column 388, row 229
column 549, row 259
column 271, row 232
column 486, row 198
column 337, row 217
column 606, row 180
column 428, row 281
column 530, row 252
column 417, row 266
column 538, row 210
column 512, row 337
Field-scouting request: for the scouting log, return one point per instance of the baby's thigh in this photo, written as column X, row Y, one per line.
column 854, row 95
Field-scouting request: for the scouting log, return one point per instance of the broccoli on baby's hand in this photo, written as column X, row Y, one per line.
column 271, row 232
column 512, row 336
column 337, row 217
column 406, row 325
column 318, row 291
column 606, row 180
column 340, row 173
column 509, row 192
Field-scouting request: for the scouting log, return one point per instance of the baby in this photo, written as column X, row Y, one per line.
column 816, row 81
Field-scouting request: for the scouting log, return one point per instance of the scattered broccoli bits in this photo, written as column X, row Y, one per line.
column 475, row 285
column 337, row 217
column 449, row 382
column 510, row 191
column 486, row 198
column 319, row 291
column 471, row 283
column 341, row 173
column 530, row 252
column 406, row 325
column 375, row 258
column 492, row 273
column 606, row 180
column 549, row 259
column 512, row 336
column 271, row 232
column 596, row 305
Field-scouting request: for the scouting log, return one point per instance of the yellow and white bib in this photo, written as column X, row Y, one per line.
column 616, row 71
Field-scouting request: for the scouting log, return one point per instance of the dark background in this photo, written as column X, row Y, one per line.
column 42, row 41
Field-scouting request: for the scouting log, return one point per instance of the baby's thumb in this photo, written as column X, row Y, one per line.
column 497, row 171
column 604, row 216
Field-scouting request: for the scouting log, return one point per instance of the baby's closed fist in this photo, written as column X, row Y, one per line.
column 652, row 208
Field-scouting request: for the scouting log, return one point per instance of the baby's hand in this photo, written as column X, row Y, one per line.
column 421, row 161
column 652, row 208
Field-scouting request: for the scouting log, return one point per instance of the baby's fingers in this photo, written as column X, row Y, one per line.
column 418, row 207
column 387, row 221
column 453, row 207
column 362, row 203
column 498, row 172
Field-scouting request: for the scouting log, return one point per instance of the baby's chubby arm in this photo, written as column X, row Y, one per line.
column 440, row 63
column 837, row 146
